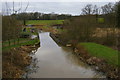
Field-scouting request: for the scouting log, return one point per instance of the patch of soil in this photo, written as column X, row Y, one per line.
column 15, row 60
column 99, row 64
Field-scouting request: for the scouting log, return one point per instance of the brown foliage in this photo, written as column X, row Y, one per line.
column 11, row 28
column 14, row 62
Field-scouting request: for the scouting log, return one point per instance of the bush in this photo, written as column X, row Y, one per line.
column 25, row 34
column 79, row 28
column 101, row 20
column 11, row 28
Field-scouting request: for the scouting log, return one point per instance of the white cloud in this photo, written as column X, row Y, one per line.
column 60, row 0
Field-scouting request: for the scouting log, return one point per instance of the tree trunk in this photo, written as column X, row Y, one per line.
column 9, row 41
column 14, row 41
column 24, row 21
column 18, row 40
column 96, row 18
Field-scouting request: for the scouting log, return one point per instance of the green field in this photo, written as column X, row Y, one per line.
column 110, row 55
column 44, row 22
column 22, row 41
column 28, row 30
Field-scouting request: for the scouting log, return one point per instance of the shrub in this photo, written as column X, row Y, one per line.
column 25, row 34
column 101, row 20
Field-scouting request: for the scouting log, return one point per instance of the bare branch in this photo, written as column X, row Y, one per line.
column 20, row 4
column 6, row 7
column 26, row 7
column 13, row 7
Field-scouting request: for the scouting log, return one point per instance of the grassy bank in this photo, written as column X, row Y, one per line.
column 44, row 22
column 100, row 57
column 16, row 56
column 101, row 51
column 15, row 60
column 28, row 30
column 22, row 42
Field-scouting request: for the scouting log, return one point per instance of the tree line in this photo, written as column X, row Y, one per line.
column 40, row 16
column 11, row 26
column 11, row 29
column 99, row 25
column 80, row 28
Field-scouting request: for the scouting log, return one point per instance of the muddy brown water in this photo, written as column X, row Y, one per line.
column 53, row 61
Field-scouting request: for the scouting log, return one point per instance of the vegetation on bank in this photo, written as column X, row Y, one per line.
column 82, row 30
column 44, row 22
column 28, row 30
column 11, row 28
column 22, row 42
column 97, row 36
column 101, row 51
column 16, row 47
column 15, row 60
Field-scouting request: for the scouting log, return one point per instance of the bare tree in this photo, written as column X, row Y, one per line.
column 96, row 11
column 88, row 10
column 107, row 9
column 10, row 24
column 118, row 14
column 24, row 14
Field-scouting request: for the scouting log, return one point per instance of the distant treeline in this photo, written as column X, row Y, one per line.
column 92, row 17
column 103, row 28
column 42, row 16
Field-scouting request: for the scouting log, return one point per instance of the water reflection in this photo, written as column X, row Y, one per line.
column 69, row 54
column 53, row 61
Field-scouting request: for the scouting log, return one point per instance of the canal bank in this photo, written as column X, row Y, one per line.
column 98, row 64
column 54, row 61
column 15, row 60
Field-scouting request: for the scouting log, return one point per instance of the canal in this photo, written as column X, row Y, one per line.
column 54, row 61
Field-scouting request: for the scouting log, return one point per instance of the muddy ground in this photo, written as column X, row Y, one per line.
column 16, row 60
column 98, row 64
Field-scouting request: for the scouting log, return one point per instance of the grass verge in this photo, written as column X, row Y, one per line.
column 26, row 42
column 110, row 55
column 44, row 22
column 22, row 41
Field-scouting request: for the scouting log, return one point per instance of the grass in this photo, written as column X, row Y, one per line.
column 28, row 30
column 110, row 55
column 101, row 20
column 22, row 41
column 26, row 42
column 61, row 30
column 44, row 22
column 12, row 41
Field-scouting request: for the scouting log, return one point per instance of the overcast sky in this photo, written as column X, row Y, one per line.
column 57, row 6
column 61, row 0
